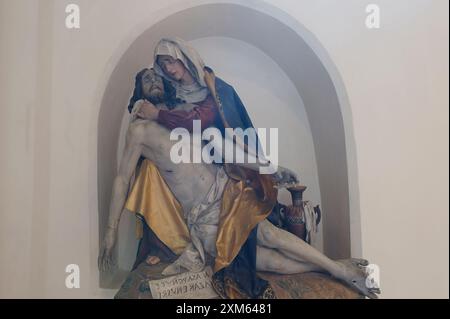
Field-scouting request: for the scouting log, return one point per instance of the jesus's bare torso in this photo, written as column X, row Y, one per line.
column 189, row 182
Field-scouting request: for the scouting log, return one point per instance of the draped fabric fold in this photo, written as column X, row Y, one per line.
column 152, row 198
column 243, row 207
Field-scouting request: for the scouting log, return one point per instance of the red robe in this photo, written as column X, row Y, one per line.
column 206, row 111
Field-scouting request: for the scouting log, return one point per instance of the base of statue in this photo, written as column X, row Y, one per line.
column 141, row 283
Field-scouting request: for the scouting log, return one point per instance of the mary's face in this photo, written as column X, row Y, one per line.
column 152, row 85
column 173, row 68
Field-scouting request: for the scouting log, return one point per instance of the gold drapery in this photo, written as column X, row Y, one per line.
column 152, row 198
column 248, row 198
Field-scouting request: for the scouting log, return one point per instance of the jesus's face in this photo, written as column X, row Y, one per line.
column 152, row 85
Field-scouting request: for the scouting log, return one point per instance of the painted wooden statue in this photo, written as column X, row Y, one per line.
column 200, row 214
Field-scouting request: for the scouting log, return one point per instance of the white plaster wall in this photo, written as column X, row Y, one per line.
column 18, row 167
column 396, row 79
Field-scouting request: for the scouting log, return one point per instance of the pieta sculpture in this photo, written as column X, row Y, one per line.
column 217, row 214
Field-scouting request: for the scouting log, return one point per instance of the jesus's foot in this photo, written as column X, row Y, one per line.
column 353, row 272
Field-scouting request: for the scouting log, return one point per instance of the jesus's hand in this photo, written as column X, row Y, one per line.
column 147, row 111
column 105, row 259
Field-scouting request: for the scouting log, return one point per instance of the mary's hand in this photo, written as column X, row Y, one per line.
column 147, row 111
column 284, row 177
column 105, row 258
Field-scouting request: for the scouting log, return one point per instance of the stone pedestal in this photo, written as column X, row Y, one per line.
column 299, row 286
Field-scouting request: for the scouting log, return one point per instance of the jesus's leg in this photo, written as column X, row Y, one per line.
column 268, row 259
column 295, row 248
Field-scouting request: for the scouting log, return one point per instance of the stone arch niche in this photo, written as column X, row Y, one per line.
column 304, row 61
